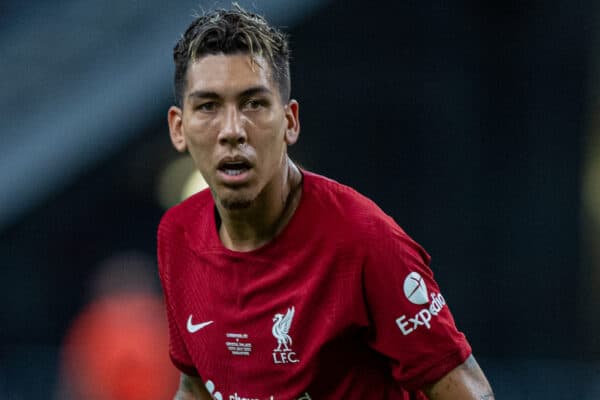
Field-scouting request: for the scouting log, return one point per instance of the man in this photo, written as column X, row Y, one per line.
column 279, row 283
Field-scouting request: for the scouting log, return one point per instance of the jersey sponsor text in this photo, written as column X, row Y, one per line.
column 423, row 317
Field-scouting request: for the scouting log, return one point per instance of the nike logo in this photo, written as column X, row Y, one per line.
column 193, row 328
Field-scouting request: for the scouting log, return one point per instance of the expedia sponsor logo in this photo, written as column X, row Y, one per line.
column 416, row 292
column 415, row 289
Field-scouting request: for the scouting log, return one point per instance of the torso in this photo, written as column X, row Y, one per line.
column 310, row 276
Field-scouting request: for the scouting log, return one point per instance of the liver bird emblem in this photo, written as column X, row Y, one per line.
column 281, row 328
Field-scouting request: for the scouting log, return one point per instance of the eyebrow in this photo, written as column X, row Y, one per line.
column 207, row 94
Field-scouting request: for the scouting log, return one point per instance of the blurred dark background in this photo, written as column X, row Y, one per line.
column 472, row 124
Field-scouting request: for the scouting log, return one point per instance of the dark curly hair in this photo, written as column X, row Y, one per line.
column 233, row 31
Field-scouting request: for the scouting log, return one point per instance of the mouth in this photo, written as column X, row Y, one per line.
column 234, row 167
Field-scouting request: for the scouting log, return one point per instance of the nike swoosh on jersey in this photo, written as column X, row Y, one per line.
column 193, row 328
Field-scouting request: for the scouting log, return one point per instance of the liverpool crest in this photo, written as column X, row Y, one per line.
column 283, row 353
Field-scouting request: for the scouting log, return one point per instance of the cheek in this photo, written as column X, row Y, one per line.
column 270, row 141
column 199, row 146
column 198, row 134
column 275, row 125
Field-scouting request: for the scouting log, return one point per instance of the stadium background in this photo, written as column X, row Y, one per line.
column 473, row 124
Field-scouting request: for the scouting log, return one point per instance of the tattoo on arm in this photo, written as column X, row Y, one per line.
column 467, row 381
column 191, row 388
column 186, row 384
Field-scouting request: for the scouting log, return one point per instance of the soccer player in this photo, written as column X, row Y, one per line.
column 280, row 283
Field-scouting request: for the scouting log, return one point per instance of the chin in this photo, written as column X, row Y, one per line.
column 235, row 204
column 236, row 201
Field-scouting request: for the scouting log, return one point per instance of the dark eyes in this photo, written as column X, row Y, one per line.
column 254, row 104
column 208, row 106
column 247, row 105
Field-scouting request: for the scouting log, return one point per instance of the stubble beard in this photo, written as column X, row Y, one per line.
column 234, row 202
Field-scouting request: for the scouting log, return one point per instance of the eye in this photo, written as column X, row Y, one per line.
column 207, row 106
column 254, row 104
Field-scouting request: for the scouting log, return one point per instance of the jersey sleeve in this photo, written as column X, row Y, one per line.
column 411, row 323
column 168, row 237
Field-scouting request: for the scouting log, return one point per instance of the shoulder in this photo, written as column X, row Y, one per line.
column 339, row 197
column 187, row 213
column 356, row 216
column 348, row 207
column 189, row 218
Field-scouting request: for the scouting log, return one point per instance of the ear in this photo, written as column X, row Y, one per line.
column 175, row 119
column 292, row 116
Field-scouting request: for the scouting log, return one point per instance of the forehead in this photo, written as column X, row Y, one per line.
column 228, row 74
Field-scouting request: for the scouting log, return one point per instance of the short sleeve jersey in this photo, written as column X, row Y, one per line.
column 341, row 304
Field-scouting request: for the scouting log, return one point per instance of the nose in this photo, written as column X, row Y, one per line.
column 232, row 132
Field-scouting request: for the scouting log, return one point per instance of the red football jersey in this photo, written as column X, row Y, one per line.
column 341, row 304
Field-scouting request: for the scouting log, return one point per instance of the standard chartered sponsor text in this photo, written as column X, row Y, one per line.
column 235, row 396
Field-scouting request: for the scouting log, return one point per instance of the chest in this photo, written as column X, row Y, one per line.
column 268, row 322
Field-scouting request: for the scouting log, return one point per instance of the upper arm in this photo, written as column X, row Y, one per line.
column 409, row 320
column 465, row 382
column 191, row 388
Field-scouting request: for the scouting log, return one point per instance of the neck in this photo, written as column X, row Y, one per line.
column 253, row 227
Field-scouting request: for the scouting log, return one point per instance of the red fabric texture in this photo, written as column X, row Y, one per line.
column 341, row 264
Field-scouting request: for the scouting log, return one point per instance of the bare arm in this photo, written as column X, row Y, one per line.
column 465, row 382
column 191, row 388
